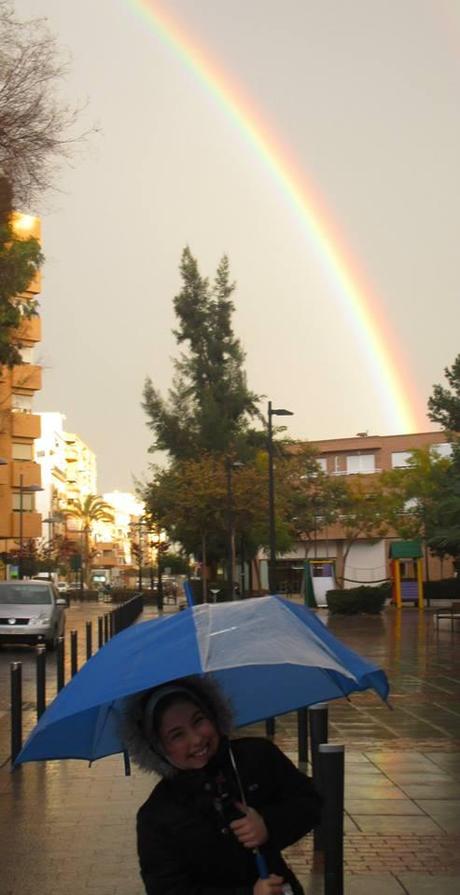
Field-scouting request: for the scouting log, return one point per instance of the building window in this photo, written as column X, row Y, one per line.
column 28, row 502
column 339, row 468
column 22, row 451
column 364, row 463
column 322, row 463
column 399, row 459
column 442, row 450
column 27, row 353
column 21, row 403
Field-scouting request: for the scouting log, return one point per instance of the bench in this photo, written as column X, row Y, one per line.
column 451, row 612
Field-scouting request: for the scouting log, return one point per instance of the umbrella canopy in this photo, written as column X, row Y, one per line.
column 270, row 656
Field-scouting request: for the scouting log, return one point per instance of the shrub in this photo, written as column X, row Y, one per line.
column 446, row 589
column 370, row 600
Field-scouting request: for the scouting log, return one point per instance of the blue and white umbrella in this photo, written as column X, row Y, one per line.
column 270, row 656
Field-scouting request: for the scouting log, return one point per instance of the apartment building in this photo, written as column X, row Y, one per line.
column 368, row 559
column 20, row 477
column 68, row 471
column 113, row 560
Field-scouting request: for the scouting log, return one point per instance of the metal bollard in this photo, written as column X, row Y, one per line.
column 302, row 738
column 332, row 770
column 60, row 667
column 89, row 640
column 41, row 680
column 106, row 628
column 318, row 717
column 112, row 624
column 270, row 727
column 100, row 635
column 73, row 653
column 16, row 709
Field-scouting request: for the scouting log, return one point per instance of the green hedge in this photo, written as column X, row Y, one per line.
column 446, row 589
column 366, row 599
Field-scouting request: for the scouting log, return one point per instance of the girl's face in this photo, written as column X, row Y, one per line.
column 188, row 738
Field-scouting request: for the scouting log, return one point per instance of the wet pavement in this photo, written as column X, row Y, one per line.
column 67, row 828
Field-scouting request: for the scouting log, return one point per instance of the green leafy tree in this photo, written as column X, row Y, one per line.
column 190, row 502
column 413, row 490
column 310, row 500
column 443, row 523
column 363, row 513
column 209, row 406
column 444, row 403
column 20, row 260
column 87, row 511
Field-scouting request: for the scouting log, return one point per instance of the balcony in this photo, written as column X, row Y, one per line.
column 30, row 330
column 25, row 425
column 30, row 472
column 31, row 525
column 27, row 376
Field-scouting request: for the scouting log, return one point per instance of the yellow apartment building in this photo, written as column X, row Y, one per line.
column 19, row 425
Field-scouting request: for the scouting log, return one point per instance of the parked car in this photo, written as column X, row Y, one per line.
column 63, row 587
column 31, row 612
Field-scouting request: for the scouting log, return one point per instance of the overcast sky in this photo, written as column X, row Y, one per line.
column 363, row 94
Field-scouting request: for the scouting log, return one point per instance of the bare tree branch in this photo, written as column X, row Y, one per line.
column 37, row 129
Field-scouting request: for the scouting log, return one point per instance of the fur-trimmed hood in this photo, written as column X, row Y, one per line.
column 131, row 727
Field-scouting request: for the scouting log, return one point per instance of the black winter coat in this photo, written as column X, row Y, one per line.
column 184, row 844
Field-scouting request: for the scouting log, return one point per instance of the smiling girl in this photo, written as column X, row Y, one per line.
column 219, row 801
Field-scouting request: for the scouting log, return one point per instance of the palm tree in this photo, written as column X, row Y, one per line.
column 89, row 510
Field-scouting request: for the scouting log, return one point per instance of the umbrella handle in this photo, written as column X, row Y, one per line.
column 261, row 864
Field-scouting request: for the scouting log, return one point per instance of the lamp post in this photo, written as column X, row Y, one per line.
column 272, row 411
column 230, row 465
column 23, row 489
column 50, row 522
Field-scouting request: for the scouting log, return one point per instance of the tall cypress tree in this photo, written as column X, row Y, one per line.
column 209, row 406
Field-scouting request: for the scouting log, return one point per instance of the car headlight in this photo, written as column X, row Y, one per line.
column 41, row 620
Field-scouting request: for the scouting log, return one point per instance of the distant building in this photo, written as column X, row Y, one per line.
column 113, row 541
column 69, row 472
column 368, row 559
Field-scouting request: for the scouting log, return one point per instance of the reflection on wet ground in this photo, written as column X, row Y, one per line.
column 64, row 827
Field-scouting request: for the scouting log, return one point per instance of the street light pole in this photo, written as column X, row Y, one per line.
column 50, row 522
column 228, row 469
column 21, row 530
column 272, row 411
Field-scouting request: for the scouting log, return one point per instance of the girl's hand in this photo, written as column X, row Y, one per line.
column 271, row 886
column 250, row 830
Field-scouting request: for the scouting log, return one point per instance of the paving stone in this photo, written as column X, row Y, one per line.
column 420, row 790
column 422, row 884
column 383, row 806
column 375, row 883
column 389, row 823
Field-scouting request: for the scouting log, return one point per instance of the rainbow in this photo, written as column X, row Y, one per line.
column 403, row 408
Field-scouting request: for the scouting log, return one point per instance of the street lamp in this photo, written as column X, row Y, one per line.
column 50, row 522
column 272, row 411
column 23, row 489
column 230, row 465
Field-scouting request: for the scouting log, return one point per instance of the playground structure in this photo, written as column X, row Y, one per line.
column 406, row 573
column 318, row 577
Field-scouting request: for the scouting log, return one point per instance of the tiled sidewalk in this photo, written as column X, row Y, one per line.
column 68, row 829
